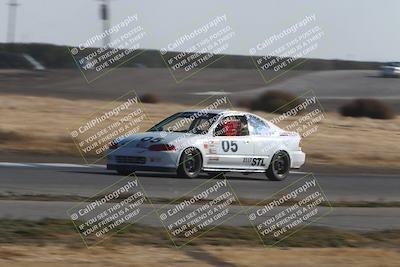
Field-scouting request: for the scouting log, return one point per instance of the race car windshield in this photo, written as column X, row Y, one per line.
column 186, row 122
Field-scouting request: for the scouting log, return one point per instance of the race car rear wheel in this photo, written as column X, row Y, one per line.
column 190, row 163
column 279, row 167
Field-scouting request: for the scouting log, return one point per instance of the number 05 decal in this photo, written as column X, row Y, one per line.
column 232, row 146
column 151, row 139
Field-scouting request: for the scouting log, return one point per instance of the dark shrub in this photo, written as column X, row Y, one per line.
column 149, row 98
column 244, row 103
column 370, row 108
column 9, row 136
column 275, row 101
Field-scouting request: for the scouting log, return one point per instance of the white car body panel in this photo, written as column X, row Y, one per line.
column 250, row 153
column 391, row 69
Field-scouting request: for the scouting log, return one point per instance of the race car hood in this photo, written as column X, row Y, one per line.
column 146, row 139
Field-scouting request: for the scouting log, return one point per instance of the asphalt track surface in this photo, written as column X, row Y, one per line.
column 359, row 219
column 332, row 87
column 74, row 179
column 81, row 180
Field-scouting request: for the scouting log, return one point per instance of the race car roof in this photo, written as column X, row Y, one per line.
column 213, row 111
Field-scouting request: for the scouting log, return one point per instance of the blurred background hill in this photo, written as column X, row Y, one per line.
column 59, row 57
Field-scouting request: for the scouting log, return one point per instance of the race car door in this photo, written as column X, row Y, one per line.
column 231, row 144
column 266, row 142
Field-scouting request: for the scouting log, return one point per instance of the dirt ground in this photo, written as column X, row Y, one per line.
column 64, row 256
column 41, row 125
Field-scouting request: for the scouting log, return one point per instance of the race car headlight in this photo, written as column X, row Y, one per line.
column 162, row 147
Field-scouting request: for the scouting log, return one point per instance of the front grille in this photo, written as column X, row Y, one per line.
column 130, row 159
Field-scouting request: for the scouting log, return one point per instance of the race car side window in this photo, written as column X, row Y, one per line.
column 257, row 126
column 232, row 126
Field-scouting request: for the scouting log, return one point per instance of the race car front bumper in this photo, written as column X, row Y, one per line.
column 132, row 167
column 126, row 159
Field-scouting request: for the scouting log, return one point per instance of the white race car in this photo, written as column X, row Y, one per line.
column 210, row 141
column 391, row 69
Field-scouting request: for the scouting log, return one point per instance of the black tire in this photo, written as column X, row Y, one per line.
column 190, row 163
column 279, row 167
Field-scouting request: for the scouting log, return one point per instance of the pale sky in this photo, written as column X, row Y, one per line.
column 354, row 29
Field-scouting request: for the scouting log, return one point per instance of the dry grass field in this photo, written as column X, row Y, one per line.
column 40, row 125
column 67, row 256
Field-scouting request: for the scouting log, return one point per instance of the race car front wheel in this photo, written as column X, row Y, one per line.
column 190, row 163
column 279, row 167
